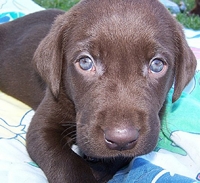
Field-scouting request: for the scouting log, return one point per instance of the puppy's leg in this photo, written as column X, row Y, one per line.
column 50, row 149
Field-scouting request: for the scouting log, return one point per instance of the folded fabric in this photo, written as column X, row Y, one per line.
column 142, row 171
column 15, row 163
column 12, row 9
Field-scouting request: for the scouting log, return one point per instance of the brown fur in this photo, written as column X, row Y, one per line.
column 18, row 42
column 112, row 110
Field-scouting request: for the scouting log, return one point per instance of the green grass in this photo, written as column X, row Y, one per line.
column 192, row 22
column 59, row 4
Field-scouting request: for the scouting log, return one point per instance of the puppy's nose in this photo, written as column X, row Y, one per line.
column 121, row 138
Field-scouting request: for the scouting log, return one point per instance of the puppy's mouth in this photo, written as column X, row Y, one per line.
column 91, row 159
column 94, row 161
column 77, row 150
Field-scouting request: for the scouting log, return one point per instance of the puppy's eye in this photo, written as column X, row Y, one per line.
column 86, row 63
column 156, row 66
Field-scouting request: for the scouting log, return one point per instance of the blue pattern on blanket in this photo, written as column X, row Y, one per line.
column 142, row 171
column 9, row 16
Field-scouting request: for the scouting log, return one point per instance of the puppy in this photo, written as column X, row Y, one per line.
column 107, row 67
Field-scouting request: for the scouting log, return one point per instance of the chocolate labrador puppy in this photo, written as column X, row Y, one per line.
column 107, row 68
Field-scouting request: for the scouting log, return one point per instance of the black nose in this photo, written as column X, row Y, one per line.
column 121, row 138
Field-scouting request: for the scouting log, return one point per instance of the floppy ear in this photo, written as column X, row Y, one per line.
column 48, row 56
column 185, row 65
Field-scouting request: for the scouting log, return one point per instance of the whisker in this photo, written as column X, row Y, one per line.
column 69, row 142
column 71, row 133
column 68, row 124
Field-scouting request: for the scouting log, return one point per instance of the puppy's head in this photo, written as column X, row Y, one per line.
column 116, row 60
